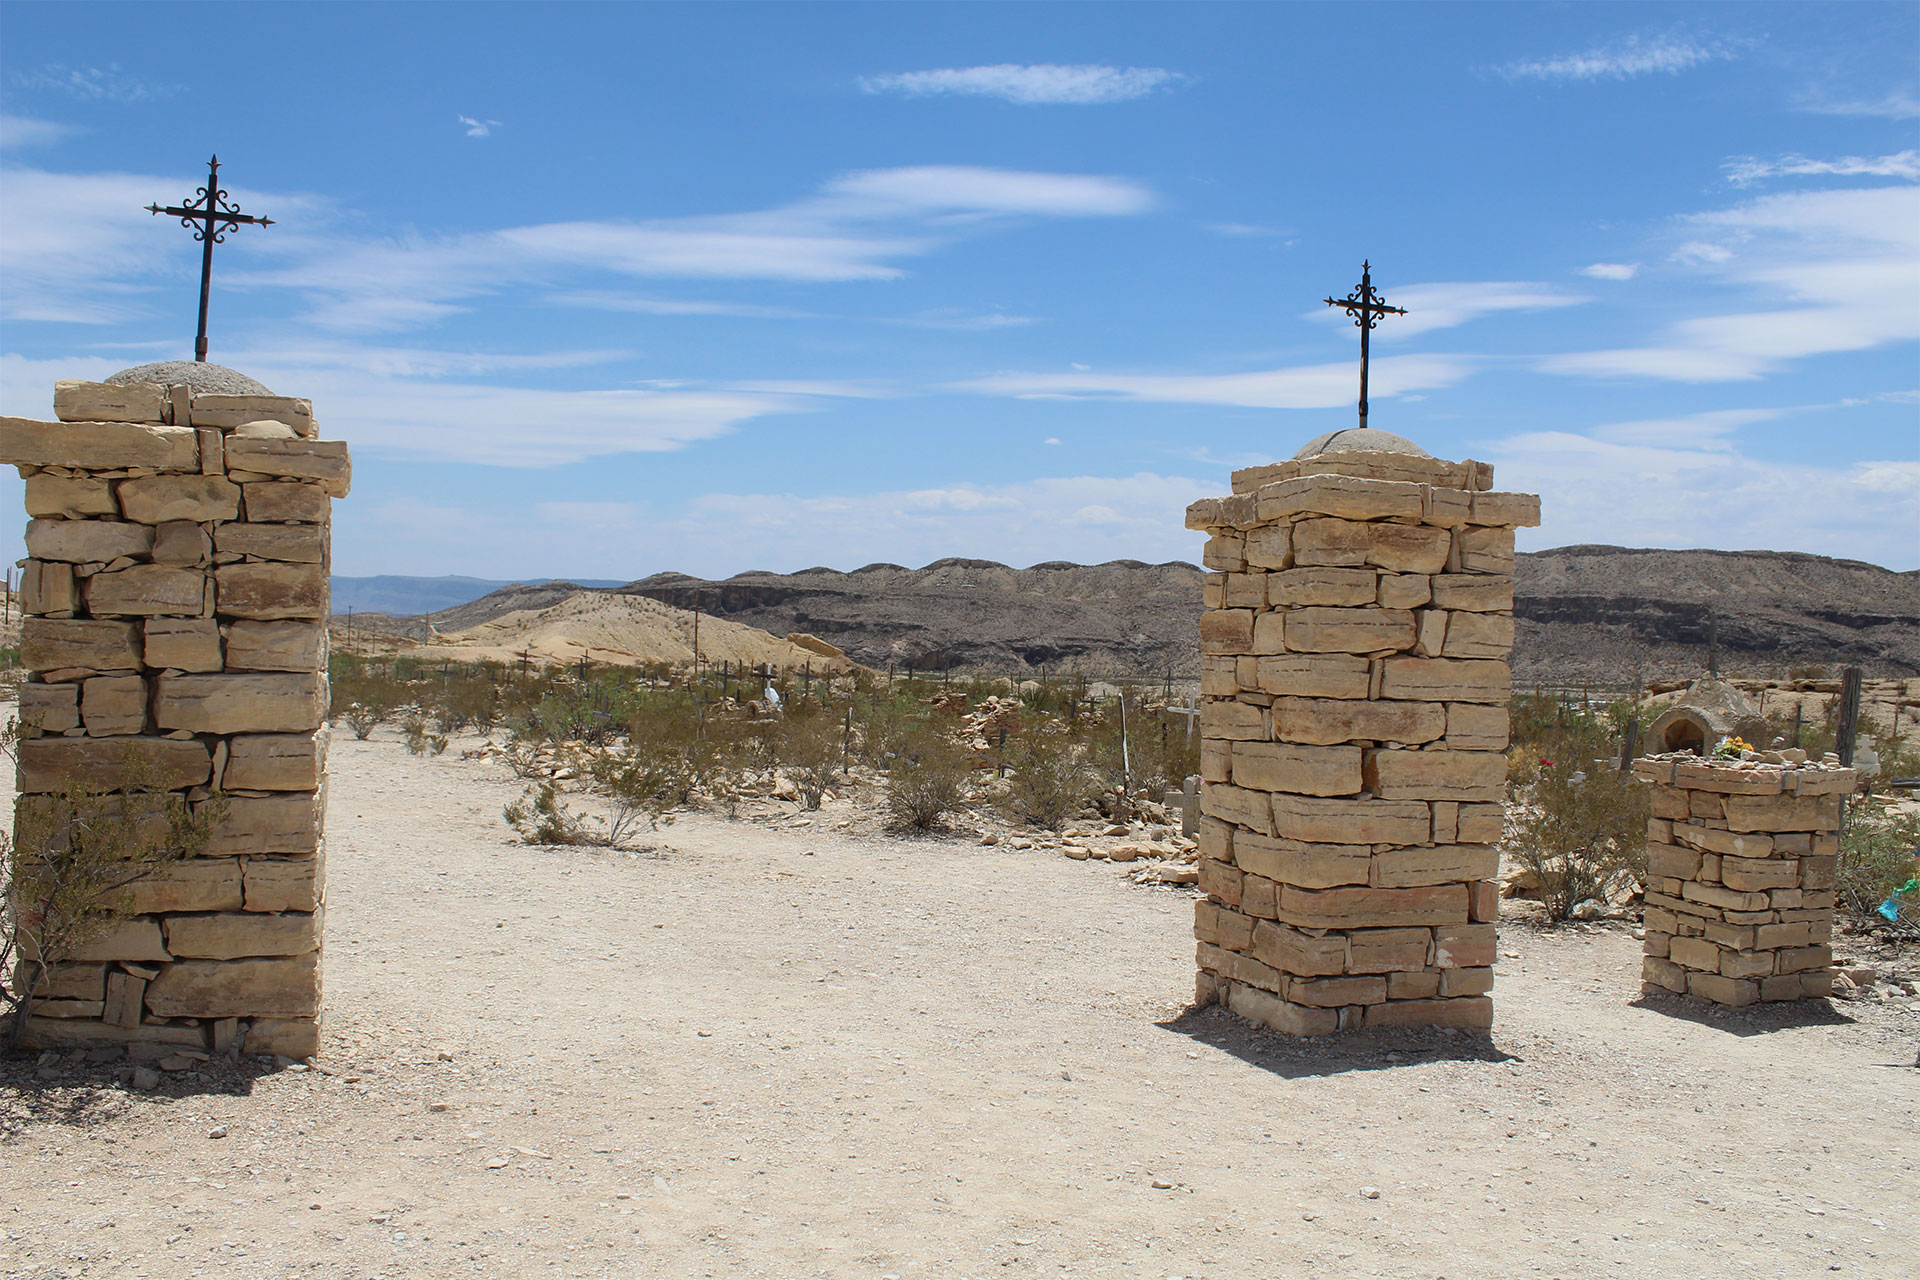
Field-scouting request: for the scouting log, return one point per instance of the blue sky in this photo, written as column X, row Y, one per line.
column 601, row 290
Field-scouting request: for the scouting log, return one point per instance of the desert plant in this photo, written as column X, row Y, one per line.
column 79, row 850
column 542, row 816
column 808, row 750
column 1048, row 779
column 928, row 781
column 1574, row 828
column 1879, row 862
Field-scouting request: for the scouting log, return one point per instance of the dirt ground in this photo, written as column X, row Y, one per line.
column 772, row 1049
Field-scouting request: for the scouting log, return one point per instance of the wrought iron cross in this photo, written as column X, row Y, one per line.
column 211, row 217
column 1366, row 307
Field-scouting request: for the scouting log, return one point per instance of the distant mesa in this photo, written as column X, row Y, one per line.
column 1360, row 440
column 208, row 379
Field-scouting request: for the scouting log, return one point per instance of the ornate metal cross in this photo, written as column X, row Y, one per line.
column 1366, row 307
column 211, row 217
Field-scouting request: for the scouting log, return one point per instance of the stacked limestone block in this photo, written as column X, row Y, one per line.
column 1354, row 721
column 1741, row 861
column 175, row 605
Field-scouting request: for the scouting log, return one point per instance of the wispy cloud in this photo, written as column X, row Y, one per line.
column 20, row 131
column 93, row 84
column 607, row 300
column 962, row 320
column 1323, row 386
column 1612, row 270
column 1247, row 229
column 1899, row 105
column 1833, row 270
column 478, row 128
column 1444, row 305
column 1039, row 84
column 1624, row 59
column 1744, row 171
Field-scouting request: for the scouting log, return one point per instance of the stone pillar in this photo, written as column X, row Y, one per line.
column 1741, row 858
column 1354, row 684
column 175, row 601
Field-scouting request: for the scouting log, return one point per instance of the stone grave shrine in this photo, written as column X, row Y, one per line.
column 174, row 601
column 1741, row 858
column 1358, row 619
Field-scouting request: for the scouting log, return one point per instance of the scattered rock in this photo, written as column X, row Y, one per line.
column 218, row 1131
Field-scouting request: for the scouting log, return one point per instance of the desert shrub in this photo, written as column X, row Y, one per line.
column 1048, row 780
column 808, row 750
column 79, row 850
column 928, row 781
column 1879, row 860
column 542, row 816
column 1575, row 821
column 413, row 732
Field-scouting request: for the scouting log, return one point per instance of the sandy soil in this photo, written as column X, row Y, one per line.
column 778, row 1050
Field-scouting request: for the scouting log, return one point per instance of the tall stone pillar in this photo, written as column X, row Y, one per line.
column 175, row 601
column 1354, row 682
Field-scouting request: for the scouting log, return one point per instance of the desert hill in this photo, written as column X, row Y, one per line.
column 1587, row 613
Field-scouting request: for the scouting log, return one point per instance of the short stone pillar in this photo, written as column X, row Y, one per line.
column 1354, row 688
column 175, row 601
column 1741, row 858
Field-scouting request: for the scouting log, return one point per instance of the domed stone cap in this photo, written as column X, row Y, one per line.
column 1360, row 440
column 209, row 379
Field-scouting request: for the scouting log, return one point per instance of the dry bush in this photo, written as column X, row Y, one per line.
column 542, row 816
column 1049, row 780
column 1575, row 828
column 928, row 781
column 1879, row 861
column 809, row 751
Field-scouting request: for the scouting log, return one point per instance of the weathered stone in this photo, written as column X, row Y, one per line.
column 1485, row 550
column 1404, row 590
column 87, row 541
column 156, row 499
column 1431, row 632
column 69, row 497
column 1433, row 864
column 1473, row 726
column 1236, row 805
column 1324, row 721
column 1204, row 514
column 275, row 646
column 1750, row 874
column 231, row 935
column 1720, row 989
column 69, row 981
column 283, row 884
column 193, row 884
column 1481, row 823
column 1244, row 591
column 126, row 998
column 1714, row 840
column 269, row 824
column 1465, row 982
column 1291, row 951
column 52, row 1033
column 323, row 460
column 76, row 401
column 147, row 589
column 297, row 543
column 1412, row 986
column 1332, row 993
column 1446, row 680
column 1321, row 821
column 1226, row 631
column 113, row 705
column 98, row 446
column 296, row 1038
column 1373, row 908
column 1783, row 813
column 1311, row 866
column 1718, row 779
column 240, row 703
column 284, row 500
column 1326, row 630
column 50, row 708
column 1225, row 718
column 181, row 542
column 1323, row 675
column 1298, row 588
column 128, row 938
column 1435, row 774
column 1397, row 548
column 1464, row 945
column 1469, row 1013
column 46, row 764
column 1472, row 593
column 1522, row 509
column 1269, row 1010
column 232, row 411
column 48, row 587
column 1672, row 860
column 1334, row 495
column 1270, row 547
column 91, row 644
column 286, row 987
column 1388, row 950
column 1314, row 771
column 183, row 644
column 1479, row 635
column 276, row 761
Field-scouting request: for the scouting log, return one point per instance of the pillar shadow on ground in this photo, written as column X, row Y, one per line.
column 1379, row 1049
column 1746, row 1020
column 84, row 1094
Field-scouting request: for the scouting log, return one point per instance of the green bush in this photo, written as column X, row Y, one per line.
column 1879, row 855
column 1574, row 820
column 1048, row 781
column 928, row 781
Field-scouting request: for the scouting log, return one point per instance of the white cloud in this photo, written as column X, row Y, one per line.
column 1624, row 59
column 1895, row 106
column 93, row 84
column 478, row 128
column 1744, row 171
column 1612, row 270
column 606, row 300
column 20, row 131
column 1027, row 85
column 1629, row 486
column 969, row 189
column 1246, row 229
column 963, row 321
column 1832, row 270
column 1441, row 306
column 1323, row 386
